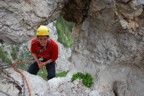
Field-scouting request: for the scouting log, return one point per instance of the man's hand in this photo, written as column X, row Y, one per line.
column 45, row 63
column 40, row 65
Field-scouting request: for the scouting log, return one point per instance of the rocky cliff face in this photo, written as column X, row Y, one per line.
column 20, row 18
column 113, row 32
column 109, row 42
column 109, row 45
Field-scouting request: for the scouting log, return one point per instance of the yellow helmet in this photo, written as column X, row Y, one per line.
column 42, row 30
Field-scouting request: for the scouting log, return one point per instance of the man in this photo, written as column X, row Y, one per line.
column 44, row 51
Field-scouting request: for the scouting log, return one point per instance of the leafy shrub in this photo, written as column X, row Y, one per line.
column 3, row 56
column 77, row 75
column 86, row 79
column 43, row 73
column 14, row 51
column 61, row 74
column 64, row 29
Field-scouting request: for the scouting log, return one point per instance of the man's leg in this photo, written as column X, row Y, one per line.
column 33, row 69
column 51, row 70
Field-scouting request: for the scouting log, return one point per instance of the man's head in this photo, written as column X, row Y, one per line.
column 42, row 35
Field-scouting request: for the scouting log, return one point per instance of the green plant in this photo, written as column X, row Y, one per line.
column 64, row 29
column 61, row 74
column 14, row 51
column 4, row 57
column 77, row 75
column 42, row 73
column 23, row 55
column 86, row 79
column 27, row 52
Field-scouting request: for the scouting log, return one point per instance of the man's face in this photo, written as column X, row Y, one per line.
column 43, row 40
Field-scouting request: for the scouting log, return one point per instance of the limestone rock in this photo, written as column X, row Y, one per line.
column 12, row 83
column 112, row 35
column 120, row 89
column 19, row 19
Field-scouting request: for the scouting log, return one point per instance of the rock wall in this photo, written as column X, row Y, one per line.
column 19, row 19
column 109, row 44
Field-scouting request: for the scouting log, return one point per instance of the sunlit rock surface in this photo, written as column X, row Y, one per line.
column 19, row 19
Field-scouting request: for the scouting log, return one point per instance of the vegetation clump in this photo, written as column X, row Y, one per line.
column 64, row 29
column 86, row 79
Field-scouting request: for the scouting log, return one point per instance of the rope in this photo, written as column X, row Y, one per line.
column 44, row 73
column 23, row 90
column 23, row 77
column 21, row 73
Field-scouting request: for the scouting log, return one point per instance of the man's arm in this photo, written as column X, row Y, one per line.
column 54, row 55
column 40, row 64
column 35, row 57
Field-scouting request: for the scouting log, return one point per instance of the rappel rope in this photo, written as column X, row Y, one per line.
column 24, row 79
column 23, row 76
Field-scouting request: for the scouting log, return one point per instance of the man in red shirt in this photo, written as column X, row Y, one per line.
column 44, row 51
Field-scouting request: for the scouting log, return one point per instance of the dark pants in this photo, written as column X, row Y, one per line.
column 33, row 69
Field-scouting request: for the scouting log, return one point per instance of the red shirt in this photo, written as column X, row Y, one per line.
column 51, row 52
